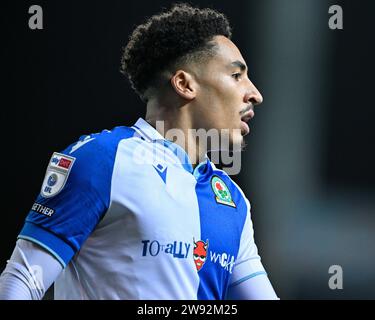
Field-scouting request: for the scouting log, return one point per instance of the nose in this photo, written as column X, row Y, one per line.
column 253, row 95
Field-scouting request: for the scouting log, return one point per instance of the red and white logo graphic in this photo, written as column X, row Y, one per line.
column 64, row 163
column 200, row 253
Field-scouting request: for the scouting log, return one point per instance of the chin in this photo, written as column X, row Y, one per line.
column 237, row 143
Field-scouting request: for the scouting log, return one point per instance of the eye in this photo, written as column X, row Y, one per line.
column 237, row 76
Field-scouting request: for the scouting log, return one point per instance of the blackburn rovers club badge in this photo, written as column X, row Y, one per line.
column 222, row 192
column 57, row 173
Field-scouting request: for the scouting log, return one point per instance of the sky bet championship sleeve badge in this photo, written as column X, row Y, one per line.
column 57, row 173
column 222, row 192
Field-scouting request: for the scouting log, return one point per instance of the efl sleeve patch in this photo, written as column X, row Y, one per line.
column 57, row 174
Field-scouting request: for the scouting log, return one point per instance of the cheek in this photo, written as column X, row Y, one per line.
column 219, row 85
column 222, row 100
column 225, row 95
column 228, row 94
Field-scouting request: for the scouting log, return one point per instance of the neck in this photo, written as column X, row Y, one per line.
column 175, row 125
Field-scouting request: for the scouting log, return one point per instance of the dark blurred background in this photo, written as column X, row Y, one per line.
column 308, row 168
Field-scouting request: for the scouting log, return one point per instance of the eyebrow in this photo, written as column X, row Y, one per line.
column 239, row 64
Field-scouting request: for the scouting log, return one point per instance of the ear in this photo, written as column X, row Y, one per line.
column 184, row 84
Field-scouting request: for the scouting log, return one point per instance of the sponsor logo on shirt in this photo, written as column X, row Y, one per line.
column 177, row 249
column 39, row 208
column 61, row 161
column 64, row 163
column 181, row 250
column 225, row 260
column 200, row 253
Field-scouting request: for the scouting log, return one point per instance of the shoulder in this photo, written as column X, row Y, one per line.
column 105, row 141
column 90, row 158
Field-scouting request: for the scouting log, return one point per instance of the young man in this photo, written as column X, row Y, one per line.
column 129, row 214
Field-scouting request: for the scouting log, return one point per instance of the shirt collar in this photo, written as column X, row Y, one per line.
column 149, row 133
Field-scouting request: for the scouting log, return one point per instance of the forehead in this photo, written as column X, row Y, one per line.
column 227, row 52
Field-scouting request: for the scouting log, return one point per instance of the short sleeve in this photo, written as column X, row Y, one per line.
column 74, row 197
column 248, row 263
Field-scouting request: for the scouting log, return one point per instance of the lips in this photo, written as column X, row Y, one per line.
column 246, row 117
column 245, row 129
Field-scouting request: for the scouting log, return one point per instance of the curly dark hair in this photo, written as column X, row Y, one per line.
column 169, row 40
